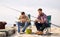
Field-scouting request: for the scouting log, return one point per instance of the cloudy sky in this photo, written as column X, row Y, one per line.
column 50, row 7
column 30, row 3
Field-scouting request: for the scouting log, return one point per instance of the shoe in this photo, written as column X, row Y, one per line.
column 39, row 32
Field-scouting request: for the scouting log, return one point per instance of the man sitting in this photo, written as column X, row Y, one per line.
column 41, row 22
column 23, row 19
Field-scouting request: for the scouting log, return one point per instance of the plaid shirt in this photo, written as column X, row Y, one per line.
column 43, row 16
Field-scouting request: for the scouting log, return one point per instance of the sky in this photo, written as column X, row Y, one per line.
column 50, row 7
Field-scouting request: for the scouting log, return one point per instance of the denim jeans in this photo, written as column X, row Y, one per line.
column 20, row 24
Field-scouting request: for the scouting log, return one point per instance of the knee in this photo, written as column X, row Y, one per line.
column 36, row 23
column 27, row 23
column 19, row 23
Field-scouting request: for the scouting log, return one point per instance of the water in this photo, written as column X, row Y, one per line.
column 11, row 16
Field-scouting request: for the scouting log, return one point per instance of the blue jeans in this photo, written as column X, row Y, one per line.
column 20, row 24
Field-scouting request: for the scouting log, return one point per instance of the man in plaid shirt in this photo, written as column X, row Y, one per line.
column 41, row 22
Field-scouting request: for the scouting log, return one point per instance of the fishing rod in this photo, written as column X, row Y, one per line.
column 17, row 10
column 55, row 25
column 50, row 23
column 12, row 8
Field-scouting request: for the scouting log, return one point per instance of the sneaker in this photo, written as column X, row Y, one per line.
column 22, row 32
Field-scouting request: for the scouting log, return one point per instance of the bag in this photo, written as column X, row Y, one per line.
column 29, row 30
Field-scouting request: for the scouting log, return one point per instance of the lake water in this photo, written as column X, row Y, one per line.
column 11, row 16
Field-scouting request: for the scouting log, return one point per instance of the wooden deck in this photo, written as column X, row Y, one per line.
column 35, row 35
column 55, row 32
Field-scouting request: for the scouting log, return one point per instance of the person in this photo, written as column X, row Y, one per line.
column 41, row 22
column 23, row 19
